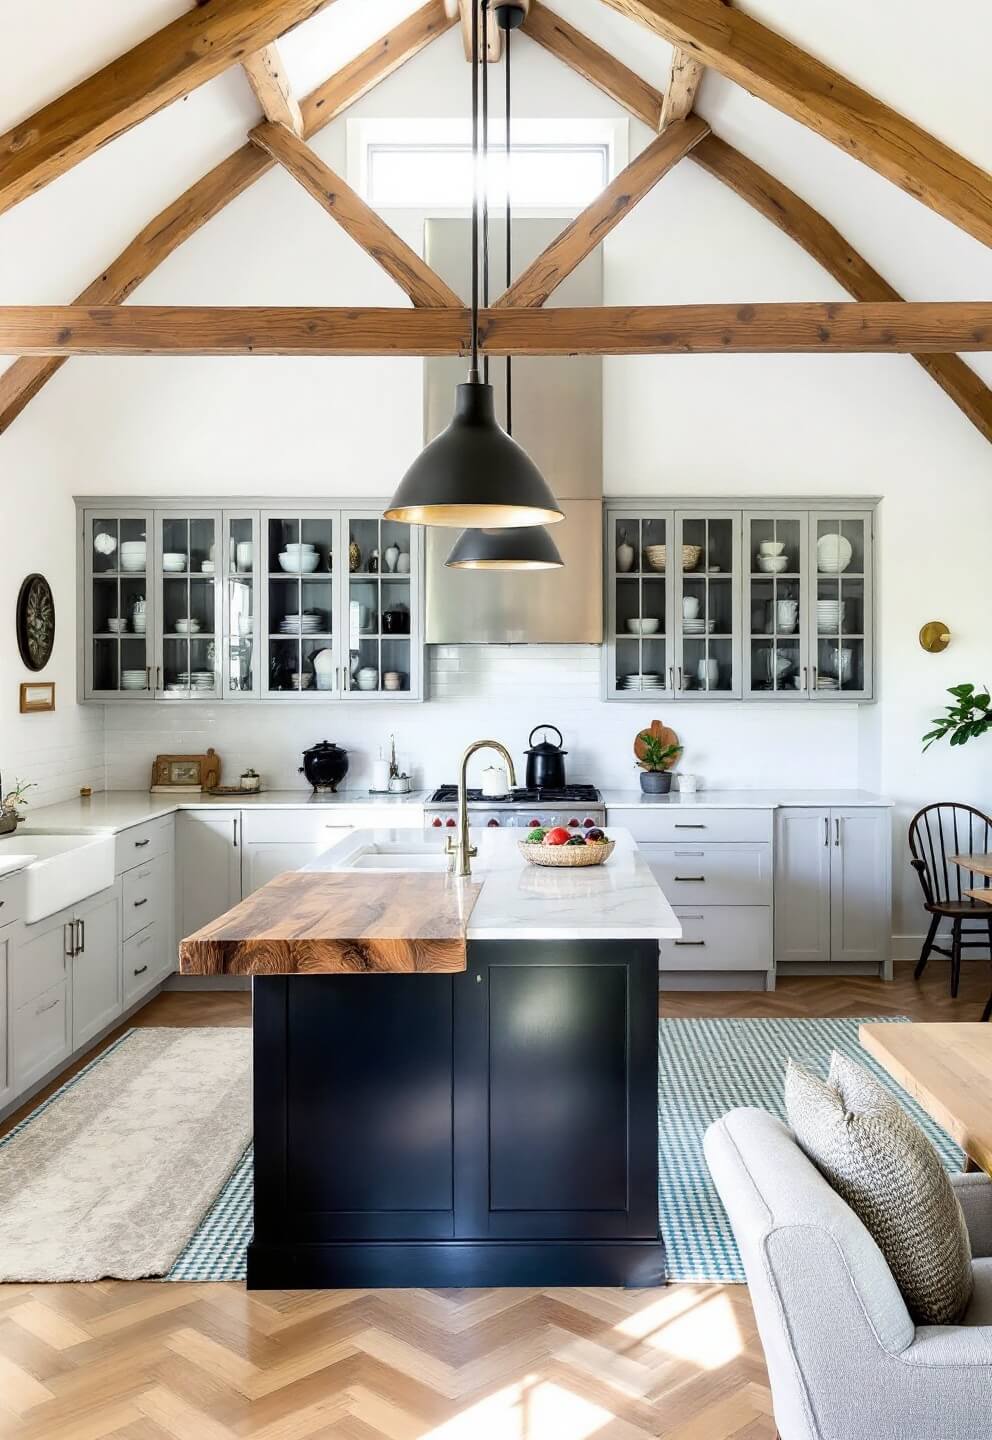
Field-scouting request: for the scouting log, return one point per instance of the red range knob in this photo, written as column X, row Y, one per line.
column 450, row 824
column 493, row 824
column 588, row 824
column 436, row 822
column 573, row 823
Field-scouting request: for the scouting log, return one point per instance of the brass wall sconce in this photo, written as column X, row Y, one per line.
column 935, row 637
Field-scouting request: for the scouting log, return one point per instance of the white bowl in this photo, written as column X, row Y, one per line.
column 301, row 562
column 647, row 626
column 172, row 560
column 772, row 564
column 299, row 545
column 771, row 547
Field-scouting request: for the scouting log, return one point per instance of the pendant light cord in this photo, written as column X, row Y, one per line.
column 506, row 181
column 474, row 372
column 485, row 171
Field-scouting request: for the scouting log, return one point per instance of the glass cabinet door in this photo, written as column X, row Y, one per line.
column 639, row 553
column 119, row 605
column 189, row 611
column 707, row 604
column 840, row 559
column 298, row 558
column 240, row 648
column 776, row 660
column 380, row 562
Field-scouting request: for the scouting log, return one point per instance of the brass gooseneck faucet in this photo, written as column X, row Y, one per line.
column 460, row 850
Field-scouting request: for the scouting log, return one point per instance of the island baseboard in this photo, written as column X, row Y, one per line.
column 456, row 1264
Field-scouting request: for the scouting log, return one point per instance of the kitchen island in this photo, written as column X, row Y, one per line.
column 486, row 1117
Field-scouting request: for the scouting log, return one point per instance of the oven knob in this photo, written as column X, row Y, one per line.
column 450, row 824
column 436, row 821
column 493, row 824
column 534, row 823
column 573, row 823
column 588, row 824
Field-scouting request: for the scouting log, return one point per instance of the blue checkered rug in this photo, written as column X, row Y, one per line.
column 706, row 1067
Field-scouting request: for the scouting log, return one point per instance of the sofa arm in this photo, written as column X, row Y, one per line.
column 950, row 1347
column 975, row 1194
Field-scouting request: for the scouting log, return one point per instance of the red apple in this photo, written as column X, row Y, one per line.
column 558, row 836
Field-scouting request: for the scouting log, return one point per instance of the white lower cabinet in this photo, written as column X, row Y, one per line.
column 262, row 861
column 208, row 866
column 97, row 992
column 40, row 997
column 6, row 1050
column 833, row 870
column 720, row 937
column 146, row 962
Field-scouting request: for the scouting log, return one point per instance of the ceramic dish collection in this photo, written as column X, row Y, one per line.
column 833, row 554
column 133, row 555
column 640, row 682
column 647, row 626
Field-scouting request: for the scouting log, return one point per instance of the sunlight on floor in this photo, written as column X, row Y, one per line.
column 700, row 1330
column 534, row 1409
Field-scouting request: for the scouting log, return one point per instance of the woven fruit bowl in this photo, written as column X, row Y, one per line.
column 591, row 853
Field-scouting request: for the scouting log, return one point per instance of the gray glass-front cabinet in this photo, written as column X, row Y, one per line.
column 760, row 603
column 240, row 603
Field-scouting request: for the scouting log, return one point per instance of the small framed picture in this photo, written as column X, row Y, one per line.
column 185, row 772
column 37, row 695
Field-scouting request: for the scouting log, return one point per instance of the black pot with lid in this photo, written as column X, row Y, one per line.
column 545, row 761
column 325, row 765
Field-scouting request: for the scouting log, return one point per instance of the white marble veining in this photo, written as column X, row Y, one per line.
column 620, row 900
column 116, row 810
column 741, row 799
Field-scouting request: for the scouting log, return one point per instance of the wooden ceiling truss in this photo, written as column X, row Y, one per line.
column 703, row 33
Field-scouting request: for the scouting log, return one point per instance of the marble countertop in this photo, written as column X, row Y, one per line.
column 620, row 900
column 119, row 809
column 741, row 799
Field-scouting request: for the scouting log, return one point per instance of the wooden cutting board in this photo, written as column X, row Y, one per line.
column 338, row 922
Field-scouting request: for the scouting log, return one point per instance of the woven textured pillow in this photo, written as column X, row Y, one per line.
column 881, row 1163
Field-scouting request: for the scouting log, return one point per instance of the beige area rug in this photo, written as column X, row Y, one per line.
column 112, row 1175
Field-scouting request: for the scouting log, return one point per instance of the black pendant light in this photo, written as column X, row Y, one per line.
column 473, row 473
column 524, row 547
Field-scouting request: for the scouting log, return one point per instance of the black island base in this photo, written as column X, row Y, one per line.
column 496, row 1127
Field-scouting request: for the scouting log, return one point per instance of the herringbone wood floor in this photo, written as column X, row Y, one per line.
column 149, row 1361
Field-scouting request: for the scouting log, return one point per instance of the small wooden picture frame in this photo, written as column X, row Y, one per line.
column 37, row 695
column 185, row 773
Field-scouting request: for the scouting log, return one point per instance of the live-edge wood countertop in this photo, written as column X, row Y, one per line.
column 339, row 922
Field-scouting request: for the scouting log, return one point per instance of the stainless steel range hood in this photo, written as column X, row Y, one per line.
column 558, row 419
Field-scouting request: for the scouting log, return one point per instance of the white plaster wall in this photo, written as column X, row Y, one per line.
column 687, row 425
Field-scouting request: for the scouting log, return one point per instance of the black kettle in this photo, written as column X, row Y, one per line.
column 545, row 762
column 325, row 765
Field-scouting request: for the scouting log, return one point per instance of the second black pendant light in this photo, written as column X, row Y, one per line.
column 528, row 547
column 474, row 473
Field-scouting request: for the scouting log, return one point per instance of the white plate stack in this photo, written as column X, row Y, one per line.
column 133, row 555
column 197, row 681
column 306, row 623
column 698, row 627
column 830, row 616
column 641, row 682
column 134, row 679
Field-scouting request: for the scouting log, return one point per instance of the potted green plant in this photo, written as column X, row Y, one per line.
column 657, row 750
column 969, row 716
column 10, row 816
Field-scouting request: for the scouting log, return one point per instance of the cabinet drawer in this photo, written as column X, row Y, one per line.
column 41, row 1034
column 12, row 889
column 40, row 961
column 143, row 842
column 700, row 874
column 144, row 896
column 329, row 823
column 694, row 822
column 720, row 937
column 143, row 962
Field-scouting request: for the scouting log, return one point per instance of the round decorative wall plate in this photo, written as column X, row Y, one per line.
column 35, row 622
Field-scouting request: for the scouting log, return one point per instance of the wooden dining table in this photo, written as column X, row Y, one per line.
column 977, row 865
column 947, row 1068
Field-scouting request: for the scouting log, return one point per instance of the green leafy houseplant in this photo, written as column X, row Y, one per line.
column 968, row 717
column 655, row 755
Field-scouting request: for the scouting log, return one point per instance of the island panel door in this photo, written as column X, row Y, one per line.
column 556, row 1091
column 353, row 1134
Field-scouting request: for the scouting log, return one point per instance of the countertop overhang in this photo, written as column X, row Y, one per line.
column 331, row 918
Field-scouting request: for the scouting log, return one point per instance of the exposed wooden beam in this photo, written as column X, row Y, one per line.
column 20, row 382
column 791, row 214
column 769, row 196
column 367, row 228
column 193, row 49
column 267, row 78
column 594, row 64
column 683, row 82
column 596, row 221
column 809, row 91
column 813, row 329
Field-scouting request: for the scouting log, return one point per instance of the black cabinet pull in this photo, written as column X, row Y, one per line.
column 690, row 942
column 140, row 844
column 687, row 879
column 679, row 826
column 138, row 903
column 142, row 970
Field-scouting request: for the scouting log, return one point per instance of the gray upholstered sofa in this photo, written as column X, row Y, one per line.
column 845, row 1359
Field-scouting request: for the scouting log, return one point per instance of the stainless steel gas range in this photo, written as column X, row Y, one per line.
column 578, row 807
